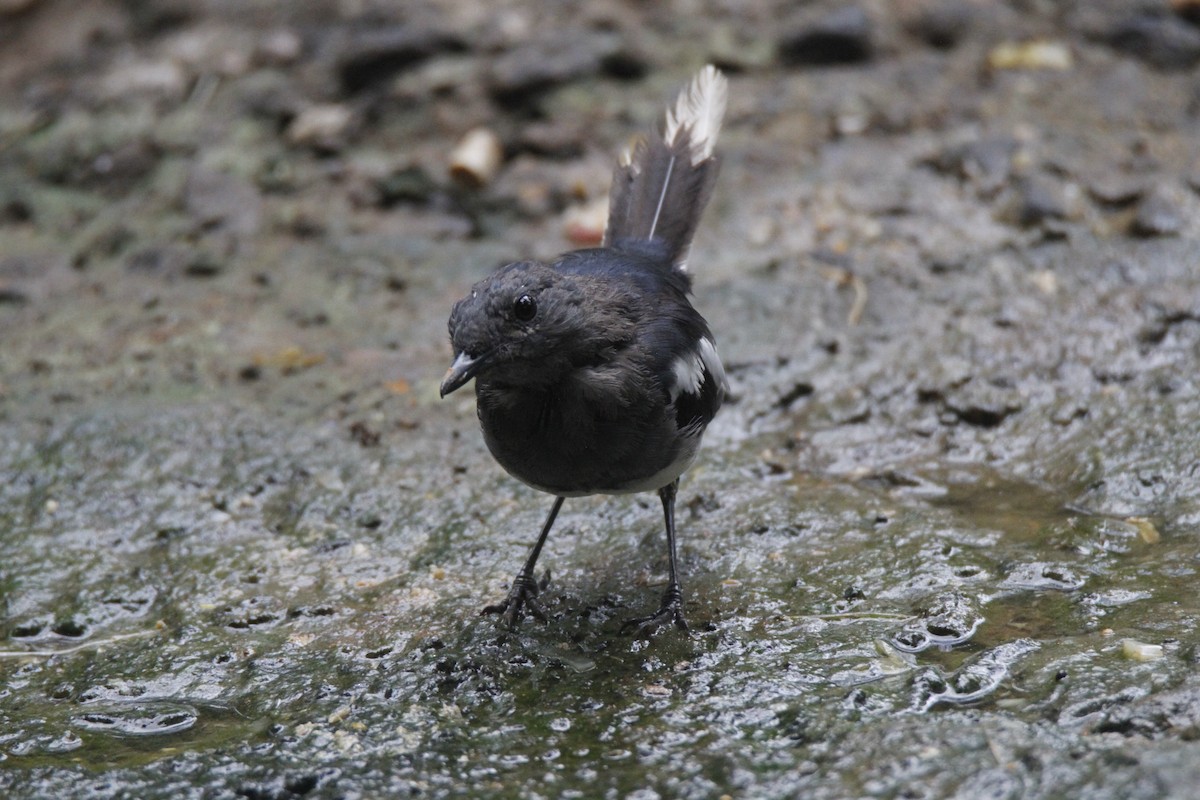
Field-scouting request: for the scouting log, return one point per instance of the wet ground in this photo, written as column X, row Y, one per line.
column 943, row 541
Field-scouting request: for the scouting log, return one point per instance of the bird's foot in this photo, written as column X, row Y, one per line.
column 671, row 610
column 523, row 594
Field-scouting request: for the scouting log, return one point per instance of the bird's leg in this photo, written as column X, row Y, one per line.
column 524, row 590
column 671, row 608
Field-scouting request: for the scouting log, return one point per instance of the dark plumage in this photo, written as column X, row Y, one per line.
column 593, row 373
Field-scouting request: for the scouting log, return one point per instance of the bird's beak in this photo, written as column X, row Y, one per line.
column 462, row 370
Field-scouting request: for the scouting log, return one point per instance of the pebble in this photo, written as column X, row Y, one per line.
column 533, row 186
column 121, row 168
column 1031, row 55
column 1039, row 200
column 1157, row 215
column 584, row 225
column 216, row 199
column 530, row 69
column 1045, row 281
column 982, row 404
column 159, row 261
column 207, row 49
column 372, row 56
column 163, row 78
column 552, row 139
column 1135, row 650
column 853, row 117
column 940, row 24
column 271, row 95
column 476, row 158
column 278, row 47
column 736, row 51
column 1162, row 40
column 840, row 37
column 1187, row 9
column 987, row 162
column 1117, row 189
column 324, row 126
column 1147, row 531
column 410, row 183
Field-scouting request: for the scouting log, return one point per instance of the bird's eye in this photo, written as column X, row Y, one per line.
column 524, row 308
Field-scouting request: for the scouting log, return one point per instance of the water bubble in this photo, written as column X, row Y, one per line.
column 1044, row 575
column 138, row 719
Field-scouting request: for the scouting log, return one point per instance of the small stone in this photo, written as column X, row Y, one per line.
column 552, row 139
column 14, row 208
column 983, row 404
column 584, row 225
column 214, row 199
column 205, row 49
column 323, row 127
column 1038, row 201
column 840, row 37
column 11, row 295
column 476, row 158
column 762, row 231
column 987, row 162
column 1157, row 215
column 1161, row 40
column 410, row 183
column 532, row 187
column 1045, row 281
column 158, row 261
column 1141, row 651
column 163, row 78
column 203, row 265
column 735, row 51
column 1117, row 189
column 852, row 117
column 941, row 24
column 521, row 74
column 1032, row 55
column 278, row 47
column 372, row 56
column 270, row 95
column 1146, row 529
column 1187, row 9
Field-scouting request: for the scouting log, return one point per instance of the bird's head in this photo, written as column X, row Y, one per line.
column 528, row 324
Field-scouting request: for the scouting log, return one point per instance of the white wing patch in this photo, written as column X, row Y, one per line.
column 712, row 362
column 690, row 368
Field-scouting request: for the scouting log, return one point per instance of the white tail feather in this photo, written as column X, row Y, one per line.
column 699, row 108
column 662, row 183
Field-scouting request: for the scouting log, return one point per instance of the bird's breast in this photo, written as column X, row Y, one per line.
column 560, row 441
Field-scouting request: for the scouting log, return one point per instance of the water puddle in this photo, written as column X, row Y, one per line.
column 1022, row 511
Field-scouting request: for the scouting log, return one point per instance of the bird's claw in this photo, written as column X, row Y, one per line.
column 671, row 610
column 523, row 594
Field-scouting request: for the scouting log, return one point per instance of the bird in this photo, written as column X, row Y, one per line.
column 594, row 374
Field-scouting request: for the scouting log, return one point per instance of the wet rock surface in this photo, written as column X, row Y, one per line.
column 943, row 540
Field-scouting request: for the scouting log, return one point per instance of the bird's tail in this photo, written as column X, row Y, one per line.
column 662, row 184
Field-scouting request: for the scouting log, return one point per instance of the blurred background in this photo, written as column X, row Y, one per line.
column 943, row 539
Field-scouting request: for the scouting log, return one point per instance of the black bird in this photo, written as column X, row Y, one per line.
column 593, row 373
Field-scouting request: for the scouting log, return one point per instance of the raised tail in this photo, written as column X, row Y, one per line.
column 661, row 186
